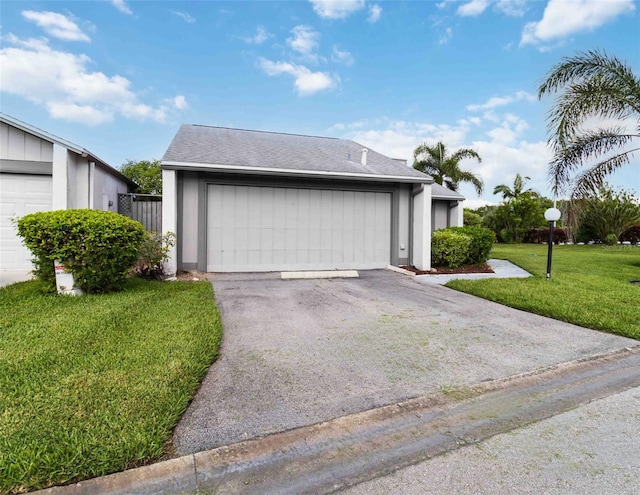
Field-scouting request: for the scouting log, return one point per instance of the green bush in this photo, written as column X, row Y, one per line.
column 98, row 247
column 154, row 253
column 471, row 218
column 482, row 241
column 449, row 248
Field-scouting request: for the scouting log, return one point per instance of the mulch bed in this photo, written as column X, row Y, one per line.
column 445, row 270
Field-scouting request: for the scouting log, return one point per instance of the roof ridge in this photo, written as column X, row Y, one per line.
column 267, row 132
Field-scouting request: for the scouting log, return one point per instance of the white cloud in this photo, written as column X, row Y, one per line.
column 473, row 8
column 341, row 56
column 260, row 37
column 63, row 84
column 122, row 6
column 306, row 81
column 375, row 11
column 180, row 102
column 502, row 146
column 78, row 113
column 500, row 101
column 56, row 25
column 563, row 18
column 513, row 8
column 444, row 3
column 446, row 37
column 336, row 9
column 184, row 16
column 304, row 41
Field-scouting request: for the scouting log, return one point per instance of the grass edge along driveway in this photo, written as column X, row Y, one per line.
column 590, row 285
column 94, row 385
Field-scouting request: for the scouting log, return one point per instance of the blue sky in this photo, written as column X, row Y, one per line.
column 118, row 77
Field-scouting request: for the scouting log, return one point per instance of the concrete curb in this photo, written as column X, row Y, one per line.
column 345, row 451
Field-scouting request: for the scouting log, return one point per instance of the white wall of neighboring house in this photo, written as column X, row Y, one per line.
column 106, row 190
column 39, row 172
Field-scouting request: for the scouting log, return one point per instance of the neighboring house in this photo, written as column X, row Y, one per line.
column 41, row 172
column 447, row 208
column 243, row 200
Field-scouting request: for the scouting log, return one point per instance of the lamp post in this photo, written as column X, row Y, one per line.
column 551, row 215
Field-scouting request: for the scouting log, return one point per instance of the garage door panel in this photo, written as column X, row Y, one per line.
column 19, row 196
column 271, row 229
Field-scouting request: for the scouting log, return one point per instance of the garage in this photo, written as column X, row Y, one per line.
column 19, row 196
column 276, row 228
column 243, row 200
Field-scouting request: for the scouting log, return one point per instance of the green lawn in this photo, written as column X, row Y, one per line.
column 589, row 285
column 95, row 384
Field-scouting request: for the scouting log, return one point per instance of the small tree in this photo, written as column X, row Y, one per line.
column 445, row 168
column 608, row 213
column 521, row 211
column 146, row 174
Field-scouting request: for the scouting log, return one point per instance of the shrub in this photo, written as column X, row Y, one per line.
column 631, row 235
column 611, row 239
column 539, row 236
column 471, row 218
column 482, row 241
column 98, row 247
column 154, row 253
column 449, row 248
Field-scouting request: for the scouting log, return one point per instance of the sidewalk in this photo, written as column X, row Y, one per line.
column 501, row 269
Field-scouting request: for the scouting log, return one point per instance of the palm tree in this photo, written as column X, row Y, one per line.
column 517, row 191
column 592, row 84
column 445, row 169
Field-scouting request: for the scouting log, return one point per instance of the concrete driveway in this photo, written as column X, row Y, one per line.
column 300, row 352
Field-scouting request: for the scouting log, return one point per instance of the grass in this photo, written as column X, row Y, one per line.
column 589, row 285
column 93, row 385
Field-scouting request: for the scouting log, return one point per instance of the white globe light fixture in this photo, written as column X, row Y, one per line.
column 551, row 215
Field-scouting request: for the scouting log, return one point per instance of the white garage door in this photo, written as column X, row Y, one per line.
column 275, row 229
column 19, row 196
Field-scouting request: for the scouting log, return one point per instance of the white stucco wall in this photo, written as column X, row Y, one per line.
column 106, row 189
column 170, row 215
column 404, row 224
column 422, row 229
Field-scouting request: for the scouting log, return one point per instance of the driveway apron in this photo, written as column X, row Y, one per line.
column 299, row 352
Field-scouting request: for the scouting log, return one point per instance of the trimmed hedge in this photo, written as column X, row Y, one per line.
column 449, row 248
column 482, row 241
column 98, row 247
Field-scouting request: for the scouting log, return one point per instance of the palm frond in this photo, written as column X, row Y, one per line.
column 593, row 178
column 585, row 65
column 584, row 100
column 590, row 144
column 466, row 176
column 504, row 190
column 463, row 153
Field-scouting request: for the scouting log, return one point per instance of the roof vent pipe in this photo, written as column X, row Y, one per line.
column 363, row 160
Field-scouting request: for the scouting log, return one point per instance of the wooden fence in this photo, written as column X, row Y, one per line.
column 145, row 208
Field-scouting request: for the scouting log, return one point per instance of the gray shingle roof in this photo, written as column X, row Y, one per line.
column 441, row 192
column 238, row 149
